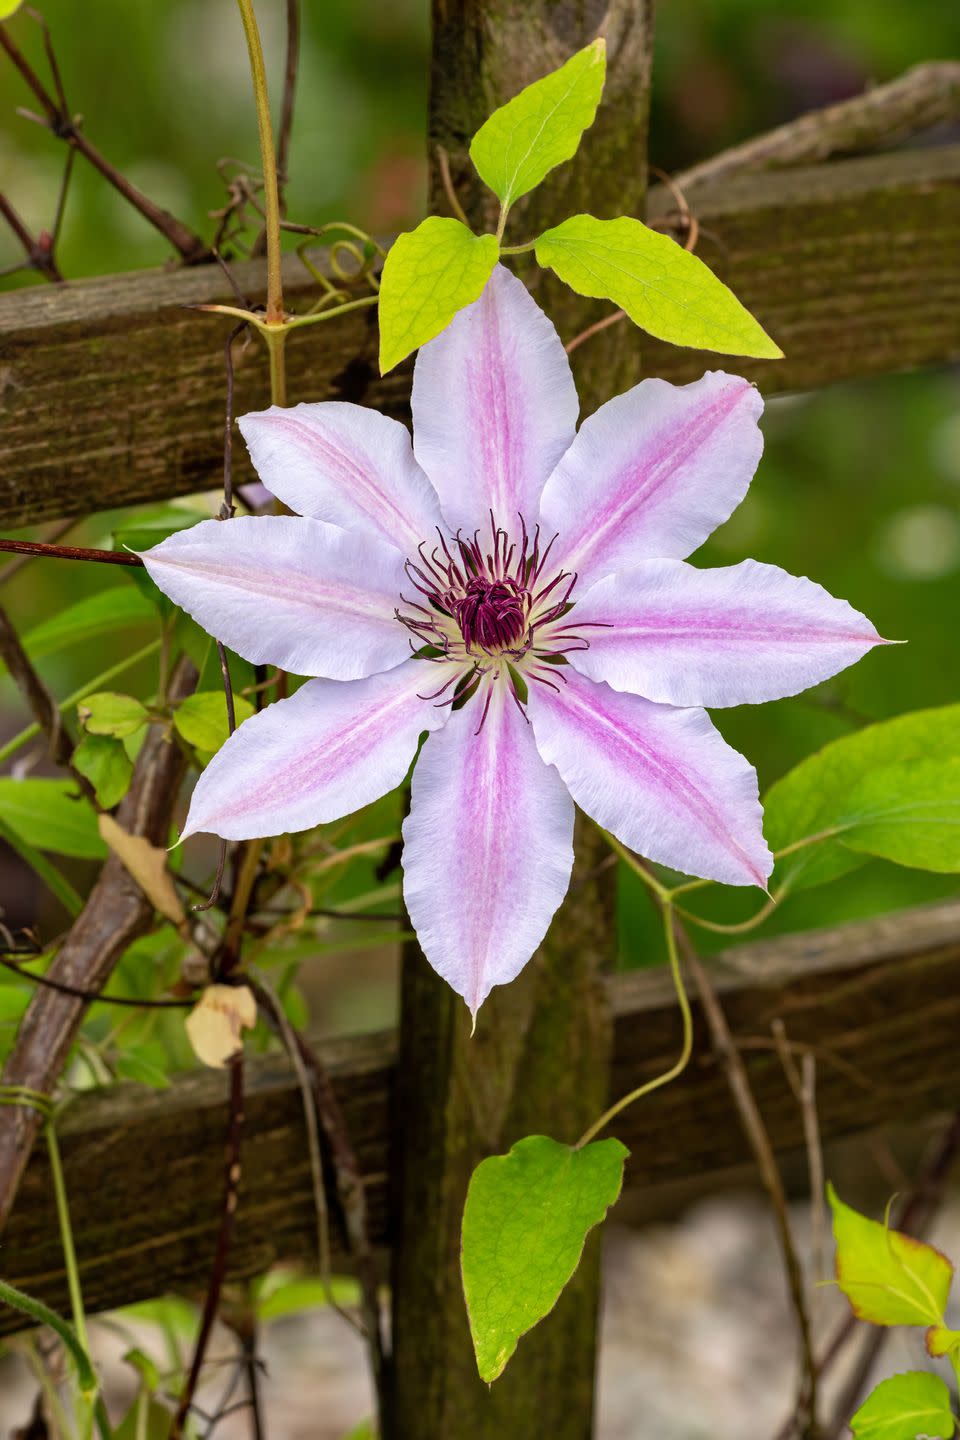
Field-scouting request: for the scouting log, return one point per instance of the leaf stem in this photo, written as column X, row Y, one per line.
column 517, row 249
column 66, row 1237
column 686, row 1047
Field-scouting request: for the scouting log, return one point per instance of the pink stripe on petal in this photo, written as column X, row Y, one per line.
column 282, row 590
column 494, row 407
column 662, row 780
column 653, row 472
column 330, row 749
column 732, row 636
column 345, row 464
column 488, row 848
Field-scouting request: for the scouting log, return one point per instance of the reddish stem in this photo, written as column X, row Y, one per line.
column 70, row 552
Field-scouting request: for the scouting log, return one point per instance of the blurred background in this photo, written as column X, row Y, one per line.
column 859, row 488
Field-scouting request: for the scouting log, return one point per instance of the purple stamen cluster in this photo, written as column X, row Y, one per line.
column 489, row 602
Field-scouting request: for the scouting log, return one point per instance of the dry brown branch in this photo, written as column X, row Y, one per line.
column 925, row 96
column 61, row 123
column 42, row 705
column 116, row 913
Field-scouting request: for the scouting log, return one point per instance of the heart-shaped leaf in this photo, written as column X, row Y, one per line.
column 904, row 1407
column 889, row 1278
column 524, row 1225
column 429, row 274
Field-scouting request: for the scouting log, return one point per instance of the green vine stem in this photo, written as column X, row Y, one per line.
column 686, row 1048
column 268, row 160
column 66, row 1236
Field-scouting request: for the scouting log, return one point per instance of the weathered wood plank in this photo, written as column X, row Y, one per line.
column 111, row 391
column 143, row 1167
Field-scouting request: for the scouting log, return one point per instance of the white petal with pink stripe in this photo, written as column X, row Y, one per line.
column 330, row 749
column 663, row 780
column 488, row 847
column 280, row 590
column 652, row 473
column 732, row 636
column 494, row 407
column 345, row 464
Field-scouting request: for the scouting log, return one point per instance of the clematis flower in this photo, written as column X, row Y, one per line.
column 517, row 588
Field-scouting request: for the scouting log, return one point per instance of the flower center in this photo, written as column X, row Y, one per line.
column 492, row 616
column 496, row 609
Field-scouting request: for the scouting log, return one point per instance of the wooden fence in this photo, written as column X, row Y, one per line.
column 111, row 391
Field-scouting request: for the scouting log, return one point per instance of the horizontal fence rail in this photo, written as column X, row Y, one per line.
column 112, row 390
column 877, row 1001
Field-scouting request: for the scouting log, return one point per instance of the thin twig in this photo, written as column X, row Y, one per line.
column 70, row 552
column 59, row 120
column 92, row 997
column 449, row 189
column 291, row 67
column 39, row 250
column 803, row 1083
column 756, row 1133
column 63, row 527
column 211, row 1304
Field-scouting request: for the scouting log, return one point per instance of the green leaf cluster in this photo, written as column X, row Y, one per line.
column 894, row 1279
column 434, row 271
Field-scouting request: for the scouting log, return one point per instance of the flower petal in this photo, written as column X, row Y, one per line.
column 653, row 472
column 345, row 464
column 494, row 407
column 280, row 590
column 731, row 636
column 664, row 781
column 488, row 848
column 330, row 749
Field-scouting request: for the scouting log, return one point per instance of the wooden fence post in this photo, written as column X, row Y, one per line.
column 539, row 1060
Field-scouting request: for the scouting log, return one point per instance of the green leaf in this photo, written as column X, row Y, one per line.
column 7, row 7
column 303, row 1293
column 429, row 274
column 524, row 1225
column 106, row 765
column 904, row 1407
column 889, row 1278
column 147, row 1419
column 50, row 815
column 109, row 713
column 663, row 288
column 108, row 611
column 818, row 795
column 541, row 127
column 201, row 719
column 909, row 813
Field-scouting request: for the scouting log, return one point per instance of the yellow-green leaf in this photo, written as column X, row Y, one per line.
column 663, row 288
column 109, row 713
column 905, row 1406
column 524, row 1226
column 7, row 8
column 889, row 1278
column 541, row 127
column 429, row 274
column 202, row 718
column 941, row 1341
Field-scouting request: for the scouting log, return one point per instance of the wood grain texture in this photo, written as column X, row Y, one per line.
column 869, row 998
column 111, row 391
